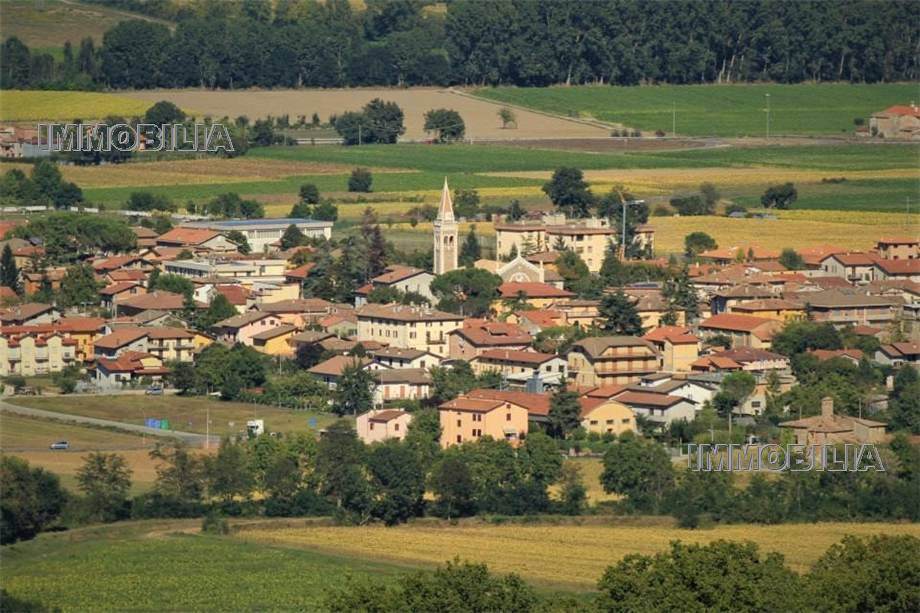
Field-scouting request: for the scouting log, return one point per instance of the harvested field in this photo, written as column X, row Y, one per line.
column 20, row 433
column 479, row 115
column 65, row 465
column 198, row 172
column 562, row 555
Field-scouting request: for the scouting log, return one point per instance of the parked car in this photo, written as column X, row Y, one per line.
column 154, row 390
column 60, row 446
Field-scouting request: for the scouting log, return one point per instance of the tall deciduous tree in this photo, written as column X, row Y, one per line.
column 639, row 470
column 105, row 480
column 564, row 412
column 354, row 391
column 569, row 192
column 79, row 287
column 446, row 124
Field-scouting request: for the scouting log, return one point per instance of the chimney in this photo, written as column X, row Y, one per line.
column 827, row 407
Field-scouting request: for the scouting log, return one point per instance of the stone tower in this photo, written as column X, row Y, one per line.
column 445, row 235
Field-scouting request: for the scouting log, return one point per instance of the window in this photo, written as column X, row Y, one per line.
column 459, row 438
column 625, row 420
column 609, row 421
column 459, row 423
column 508, row 417
column 593, row 422
column 371, row 425
column 396, row 427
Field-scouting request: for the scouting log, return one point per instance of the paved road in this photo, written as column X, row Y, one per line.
column 191, row 438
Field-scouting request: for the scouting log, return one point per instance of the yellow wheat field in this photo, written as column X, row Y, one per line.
column 17, row 105
column 654, row 181
column 565, row 555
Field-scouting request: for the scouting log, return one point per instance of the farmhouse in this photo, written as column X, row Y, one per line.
column 831, row 429
column 899, row 122
column 898, row 248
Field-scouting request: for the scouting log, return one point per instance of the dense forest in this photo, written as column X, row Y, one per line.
column 304, row 43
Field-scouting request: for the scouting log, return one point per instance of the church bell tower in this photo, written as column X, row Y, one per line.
column 445, row 235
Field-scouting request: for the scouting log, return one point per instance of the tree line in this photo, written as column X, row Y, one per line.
column 512, row 42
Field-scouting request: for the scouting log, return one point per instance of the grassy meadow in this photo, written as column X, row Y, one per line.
column 28, row 433
column 716, row 110
column 184, row 414
column 49, row 24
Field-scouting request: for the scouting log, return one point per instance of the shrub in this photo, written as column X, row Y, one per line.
column 360, row 180
column 215, row 523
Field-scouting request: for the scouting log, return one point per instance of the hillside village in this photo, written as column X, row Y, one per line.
column 520, row 332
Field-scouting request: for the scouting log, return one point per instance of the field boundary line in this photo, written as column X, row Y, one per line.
column 595, row 123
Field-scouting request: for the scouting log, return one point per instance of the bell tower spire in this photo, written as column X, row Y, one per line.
column 445, row 234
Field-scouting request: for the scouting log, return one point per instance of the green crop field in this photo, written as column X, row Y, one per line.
column 18, row 105
column 184, row 414
column 717, row 110
column 148, row 566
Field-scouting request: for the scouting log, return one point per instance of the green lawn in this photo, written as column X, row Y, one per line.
column 718, row 110
column 145, row 567
column 887, row 195
column 833, row 158
column 184, row 413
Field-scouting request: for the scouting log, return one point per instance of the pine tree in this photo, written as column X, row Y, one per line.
column 376, row 252
column 619, row 315
column 9, row 272
column 470, row 251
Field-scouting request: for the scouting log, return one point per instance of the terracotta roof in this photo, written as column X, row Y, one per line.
column 337, row 318
column 532, row 290
column 394, row 274
column 844, row 298
column 114, row 263
column 129, row 361
column 121, row 337
column 117, row 288
column 398, row 312
column 738, row 323
column 414, row 376
column 719, row 363
column 164, row 332
column 298, row 305
column 650, row 399
column 546, row 257
column 308, row 337
column 335, row 365
column 24, row 312
column 7, row 292
column 866, row 330
column 595, row 346
column 898, row 240
column 902, row 109
column 507, row 355
column 676, row 335
column 899, row 267
column 398, row 352
column 387, row 415
column 542, row 318
column 474, row 405
column 853, row 259
column 127, row 274
column 187, row 236
column 484, row 333
column 604, row 392
column 301, row 272
column 901, row 349
column 827, row 354
column 571, row 230
column 142, row 232
column 730, row 253
column 275, row 332
column 236, row 295
column 744, row 355
column 243, row 319
column 536, row 404
column 161, row 300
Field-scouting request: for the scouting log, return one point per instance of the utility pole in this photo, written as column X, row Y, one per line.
column 768, row 114
column 359, row 134
column 207, row 428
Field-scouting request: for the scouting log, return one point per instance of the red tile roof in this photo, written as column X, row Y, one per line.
column 536, row 404
column 902, row 109
column 532, row 290
column 676, row 335
column 507, row 355
column 899, row 267
column 335, row 365
column 187, row 236
column 737, row 323
column 235, row 294
column 648, row 399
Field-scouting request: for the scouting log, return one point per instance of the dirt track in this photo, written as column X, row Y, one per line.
column 480, row 116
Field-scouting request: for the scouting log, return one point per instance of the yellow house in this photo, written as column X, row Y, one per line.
column 29, row 354
column 275, row 341
column 201, row 340
column 678, row 346
column 469, row 419
column 591, row 241
column 770, row 308
column 606, row 416
column 536, row 295
column 601, row 361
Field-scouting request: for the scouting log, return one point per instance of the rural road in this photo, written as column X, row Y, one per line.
column 191, row 438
